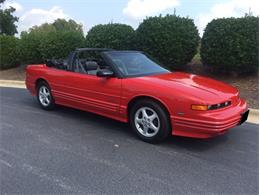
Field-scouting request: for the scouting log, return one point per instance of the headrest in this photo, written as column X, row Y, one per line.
column 91, row 65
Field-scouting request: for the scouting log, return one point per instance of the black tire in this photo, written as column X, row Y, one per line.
column 51, row 104
column 164, row 121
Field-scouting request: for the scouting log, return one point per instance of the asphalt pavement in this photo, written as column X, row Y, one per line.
column 70, row 151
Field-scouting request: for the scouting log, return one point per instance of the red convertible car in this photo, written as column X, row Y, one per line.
column 130, row 87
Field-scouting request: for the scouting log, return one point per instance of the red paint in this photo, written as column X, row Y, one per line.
column 176, row 91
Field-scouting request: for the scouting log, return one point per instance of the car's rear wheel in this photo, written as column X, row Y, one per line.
column 44, row 96
column 150, row 121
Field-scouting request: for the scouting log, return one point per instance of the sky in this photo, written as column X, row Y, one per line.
column 92, row 12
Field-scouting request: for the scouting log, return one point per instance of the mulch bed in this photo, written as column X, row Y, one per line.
column 248, row 85
column 17, row 74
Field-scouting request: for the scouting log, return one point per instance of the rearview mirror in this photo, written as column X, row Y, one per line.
column 105, row 73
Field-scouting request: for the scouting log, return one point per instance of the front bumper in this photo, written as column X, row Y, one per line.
column 209, row 123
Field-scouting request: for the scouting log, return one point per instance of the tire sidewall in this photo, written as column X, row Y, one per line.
column 165, row 128
column 51, row 104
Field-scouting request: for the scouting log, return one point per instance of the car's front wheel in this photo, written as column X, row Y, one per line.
column 150, row 121
column 44, row 96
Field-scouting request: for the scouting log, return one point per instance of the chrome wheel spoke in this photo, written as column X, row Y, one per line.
column 144, row 113
column 145, row 130
column 46, row 91
column 153, row 127
column 139, row 120
column 152, row 117
column 47, row 100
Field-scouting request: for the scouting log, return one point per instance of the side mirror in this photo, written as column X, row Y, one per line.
column 49, row 63
column 105, row 73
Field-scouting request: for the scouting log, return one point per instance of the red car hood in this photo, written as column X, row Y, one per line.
column 204, row 88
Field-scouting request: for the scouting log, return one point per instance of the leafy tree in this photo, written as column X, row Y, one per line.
column 116, row 36
column 7, row 20
column 59, row 44
column 171, row 39
column 42, row 29
column 54, row 40
column 70, row 25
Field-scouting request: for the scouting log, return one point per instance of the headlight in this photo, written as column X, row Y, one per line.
column 210, row 107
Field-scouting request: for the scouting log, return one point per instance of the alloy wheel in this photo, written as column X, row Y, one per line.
column 147, row 121
column 44, row 96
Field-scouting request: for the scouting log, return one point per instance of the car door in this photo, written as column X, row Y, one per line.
column 95, row 94
column 87, row 92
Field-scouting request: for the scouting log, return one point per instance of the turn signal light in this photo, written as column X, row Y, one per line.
column 199, row 107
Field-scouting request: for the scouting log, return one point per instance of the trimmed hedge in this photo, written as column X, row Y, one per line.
column 9, row 52
column 113, row 35
column 171, row 39
column 231, row 44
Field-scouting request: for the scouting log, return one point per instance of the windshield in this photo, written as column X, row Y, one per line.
column 134, row 63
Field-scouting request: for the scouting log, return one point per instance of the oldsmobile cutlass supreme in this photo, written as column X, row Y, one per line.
column 130, row 87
